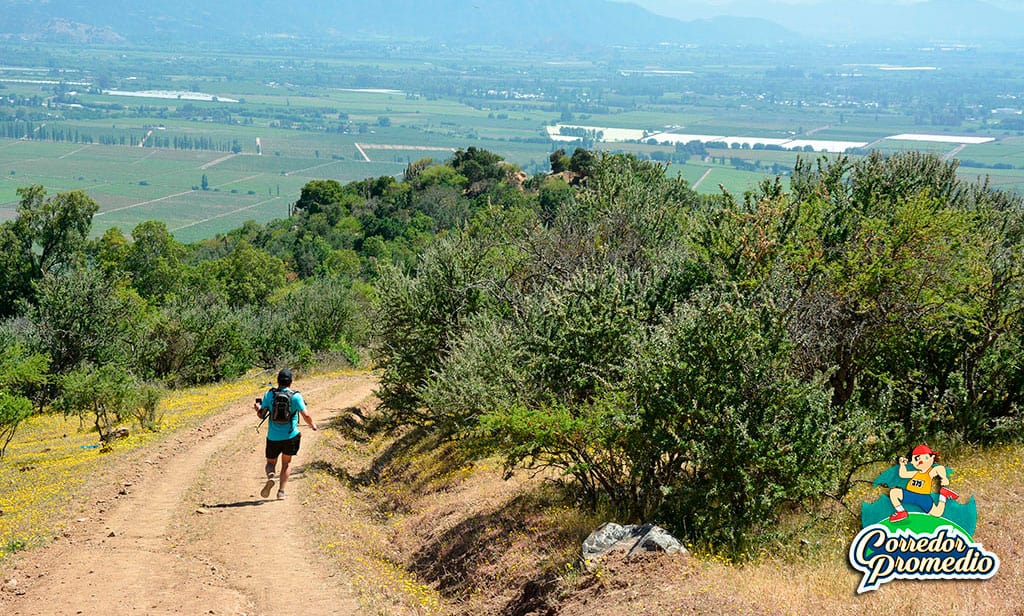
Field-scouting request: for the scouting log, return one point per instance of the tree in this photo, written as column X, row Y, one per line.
column 439, row 175
column 250, row 275
column 106, row 393
column 559, row 161
column 109, row 252
column 205, row 183
column 21, row 371
column 416, row 167
column 81, row 316
column 477, row 164
column 583, row 162
column 13, row 410
column 318, row 193
column 58, row 226
column 154, row 261
column 16, row 273
column 48, row 235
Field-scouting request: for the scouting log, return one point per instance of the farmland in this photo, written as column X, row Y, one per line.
column 205, row 141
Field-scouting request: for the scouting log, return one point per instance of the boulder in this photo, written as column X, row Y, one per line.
column 631, row 538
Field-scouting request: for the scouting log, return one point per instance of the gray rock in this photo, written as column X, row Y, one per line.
column 656, row 539
column 606, row 535
column 632, row 539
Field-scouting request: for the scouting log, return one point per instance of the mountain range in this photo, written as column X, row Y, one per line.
column 975, row 22
column 515, row 24
column 577, row 24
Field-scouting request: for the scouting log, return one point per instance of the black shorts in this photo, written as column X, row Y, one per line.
column 288, row 448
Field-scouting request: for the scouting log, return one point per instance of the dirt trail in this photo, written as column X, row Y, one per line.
column 190, row 533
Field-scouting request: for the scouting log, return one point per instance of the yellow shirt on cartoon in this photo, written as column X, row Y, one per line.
column 920, row 483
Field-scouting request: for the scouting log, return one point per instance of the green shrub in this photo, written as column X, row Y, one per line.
column 105, row 394
column 418, row 318
column 147, row 404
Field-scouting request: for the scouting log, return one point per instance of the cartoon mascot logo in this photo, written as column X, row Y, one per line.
column 916, row 532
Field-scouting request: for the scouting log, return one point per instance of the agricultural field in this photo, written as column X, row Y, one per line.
column 206, row 141
column 132, row 184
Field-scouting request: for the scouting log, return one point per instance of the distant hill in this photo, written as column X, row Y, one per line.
column 965, row 21
column 510, row 23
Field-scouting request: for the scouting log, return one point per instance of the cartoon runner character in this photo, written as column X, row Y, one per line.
column 919, row 487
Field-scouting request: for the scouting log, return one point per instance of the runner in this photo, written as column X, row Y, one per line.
column 283, row 406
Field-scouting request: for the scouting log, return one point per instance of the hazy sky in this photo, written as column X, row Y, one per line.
column 676, row 7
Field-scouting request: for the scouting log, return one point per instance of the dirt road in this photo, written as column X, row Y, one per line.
column 180, row 528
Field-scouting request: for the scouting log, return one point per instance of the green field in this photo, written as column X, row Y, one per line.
column 132, row 184
column 372, row 113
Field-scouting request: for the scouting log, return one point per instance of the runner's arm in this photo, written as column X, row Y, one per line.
column 259, row 404
column 306, row 417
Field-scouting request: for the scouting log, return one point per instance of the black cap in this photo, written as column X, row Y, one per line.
column 284, row 378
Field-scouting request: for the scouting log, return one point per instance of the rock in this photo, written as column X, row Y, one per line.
column 115, row 434
column 606, row 535
column 656, row 539
column 10, row 585
column 632, row 539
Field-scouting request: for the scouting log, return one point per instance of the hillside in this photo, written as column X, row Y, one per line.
column 529, row 23
column 401, row 524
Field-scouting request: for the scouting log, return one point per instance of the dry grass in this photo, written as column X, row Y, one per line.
column 424, row 529
column 448, row 535
column 816, row 578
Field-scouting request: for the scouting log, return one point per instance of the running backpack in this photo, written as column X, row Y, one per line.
column 281, row 406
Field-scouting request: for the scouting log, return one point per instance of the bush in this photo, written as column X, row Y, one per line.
column 726, row 434
column 204, row 340
column 146, row 408
column 418, row 318
column 106, row 394
column 705, row 361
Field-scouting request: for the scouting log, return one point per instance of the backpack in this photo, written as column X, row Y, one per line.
column 281, row 406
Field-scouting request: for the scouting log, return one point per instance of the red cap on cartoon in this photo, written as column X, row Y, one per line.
column 923, row 449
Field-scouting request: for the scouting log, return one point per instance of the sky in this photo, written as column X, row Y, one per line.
column 709, row 8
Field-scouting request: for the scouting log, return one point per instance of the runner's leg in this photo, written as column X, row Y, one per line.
column 286, row 461
column 269, row 469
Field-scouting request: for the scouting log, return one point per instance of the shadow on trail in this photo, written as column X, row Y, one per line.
column 250, row 503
